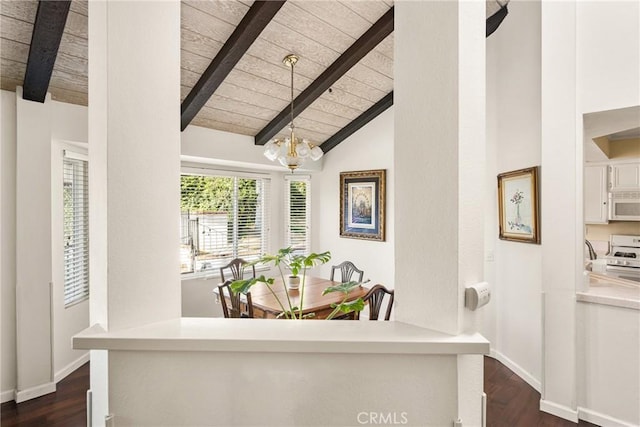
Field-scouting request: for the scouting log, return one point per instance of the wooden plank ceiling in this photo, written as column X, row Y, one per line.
column 258, row 87
column 69, row 78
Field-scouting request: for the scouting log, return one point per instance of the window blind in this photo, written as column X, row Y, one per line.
column 76, row 229
column 222, row 217
column 298, row 214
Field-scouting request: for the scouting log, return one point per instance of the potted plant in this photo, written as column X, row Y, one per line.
column 297, row 263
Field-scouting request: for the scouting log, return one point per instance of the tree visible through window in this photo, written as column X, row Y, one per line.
column 222, row 218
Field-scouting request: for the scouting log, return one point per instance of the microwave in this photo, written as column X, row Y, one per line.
column 624, row 206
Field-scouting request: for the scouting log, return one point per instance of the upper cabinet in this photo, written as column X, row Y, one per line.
column 624, row 176
column 595, row 194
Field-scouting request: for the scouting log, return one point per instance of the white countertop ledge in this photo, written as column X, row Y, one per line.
column 280, row 336
column 606, row 290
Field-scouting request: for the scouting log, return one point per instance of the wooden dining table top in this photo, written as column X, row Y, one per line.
column 314, row 302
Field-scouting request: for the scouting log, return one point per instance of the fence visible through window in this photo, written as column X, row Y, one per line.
column 222, row 218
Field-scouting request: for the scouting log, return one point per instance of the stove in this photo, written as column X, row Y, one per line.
column 623, row 260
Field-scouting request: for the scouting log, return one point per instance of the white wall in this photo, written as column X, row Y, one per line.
column 8, row 245
column 369, row 148
column 513, row 142
column 608, row 55
column 607, row 364
column 67, row 123
column 33, row 248
column 608, row 66
column 295, row 389
column 532, row 58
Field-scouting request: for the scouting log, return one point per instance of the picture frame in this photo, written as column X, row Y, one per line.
column 519, row 206
column 362, row 204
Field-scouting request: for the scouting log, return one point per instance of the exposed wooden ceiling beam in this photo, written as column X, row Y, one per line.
column 494, row 21
column 364, row 118
column 358, row 50
column 51, row 18
column 387, row 101
column 247, row 31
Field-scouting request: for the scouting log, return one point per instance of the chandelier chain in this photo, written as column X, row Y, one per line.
column 292, row 65
column 291, row 152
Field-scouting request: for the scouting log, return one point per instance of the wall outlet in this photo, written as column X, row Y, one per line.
column 489, row 256
column 475, row 296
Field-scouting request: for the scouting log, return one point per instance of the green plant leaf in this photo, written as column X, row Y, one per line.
column 344, row 288
column 348, row 307
column 314, row 259
column 244, row 285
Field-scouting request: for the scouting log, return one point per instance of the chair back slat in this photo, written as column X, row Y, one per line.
column 375, row 298
column 236, row 266
column 232, row 305
column 347, row 270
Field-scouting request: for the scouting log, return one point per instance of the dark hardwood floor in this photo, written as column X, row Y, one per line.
column 64, row 408
column 511, row 402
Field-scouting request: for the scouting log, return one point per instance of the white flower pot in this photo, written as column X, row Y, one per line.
column 293, row 282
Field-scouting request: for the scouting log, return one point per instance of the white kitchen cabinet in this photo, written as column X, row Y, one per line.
column 625, row 176
column 595, row 194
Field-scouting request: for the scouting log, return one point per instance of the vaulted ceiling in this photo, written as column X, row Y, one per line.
column 343, row 79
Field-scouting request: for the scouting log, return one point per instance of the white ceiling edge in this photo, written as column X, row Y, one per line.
column 605, row 123
column 231, row 150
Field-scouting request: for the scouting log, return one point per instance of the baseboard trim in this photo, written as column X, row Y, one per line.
column 559, row 410
column 33, row 392
column 601, row 419
column 41, row 390
column 517, row 369
column 71, row 367
column 7, row 396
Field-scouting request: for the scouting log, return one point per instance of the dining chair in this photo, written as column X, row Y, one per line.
column 236, row 266
column 232, row 305
column 374, row 299
column 347, row 269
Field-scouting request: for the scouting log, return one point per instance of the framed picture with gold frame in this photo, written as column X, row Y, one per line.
column 362, row 204
column 519, row 206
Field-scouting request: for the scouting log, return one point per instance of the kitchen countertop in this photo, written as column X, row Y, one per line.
column 612, row 291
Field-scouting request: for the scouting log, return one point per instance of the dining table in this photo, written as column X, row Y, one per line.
column 265, row 304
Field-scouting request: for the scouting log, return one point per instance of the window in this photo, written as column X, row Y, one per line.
column 222, row 217
column 76, row 228
column 297, row 213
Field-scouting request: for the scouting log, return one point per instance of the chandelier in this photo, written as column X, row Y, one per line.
column 291, row 152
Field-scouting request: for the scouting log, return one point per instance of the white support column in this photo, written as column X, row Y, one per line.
column 439, row 99
column 134, row 155
column 33, row 248
column 439, row 152
column 559, row 212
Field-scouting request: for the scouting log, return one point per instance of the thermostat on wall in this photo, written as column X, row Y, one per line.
column 477, row 295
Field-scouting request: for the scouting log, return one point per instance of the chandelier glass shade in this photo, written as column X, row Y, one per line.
column 291, row 151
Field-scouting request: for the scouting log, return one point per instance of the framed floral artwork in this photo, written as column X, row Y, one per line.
column 519, row 206
column 362, row 204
